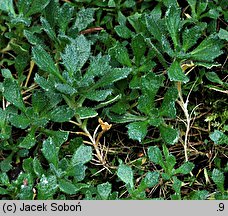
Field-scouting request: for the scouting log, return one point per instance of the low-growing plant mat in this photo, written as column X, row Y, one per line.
column 113, row 99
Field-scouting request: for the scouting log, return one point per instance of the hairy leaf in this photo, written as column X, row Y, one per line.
column 37, row 6
column 175, row 73
column 120, row 53
column 219, row 179
column 50, row 151
column 168, row 105
column 85, row 112
column 82, row 155
column 76, row 54
column 48, row 29
column 123, row 31
column 29, row 141
column 11, row 92
column 155, row 156
column 104, row 190
column 208, row 49
column 98, row 95
column 37, row 167
column 185, row 168
column 20, row 121
column 45, row 62
column 114, row 75
column 47, row 187
column 137, row 130
column 173, row 23
column 84, row 18
column 150, row 180
column 66, row 186
column 61, row 114
column 169, row 134
column 125, row 173
column 138, row 45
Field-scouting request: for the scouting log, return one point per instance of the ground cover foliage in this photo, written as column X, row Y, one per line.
column 113, row 99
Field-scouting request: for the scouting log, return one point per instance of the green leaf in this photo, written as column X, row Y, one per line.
column 59, row 137
column 98, row 95
column 82, row 155
column 170, row 163
column 219, row 179
column 199, row 195
column 11, row 92
column 84, row 18
column 213, row 77
column 153, row 24
column 120, row 53
column 190, row 36
column 208, row 49
column 137, row 130
column 169, row 135
column 177, row 185
column 150, row 86
column 201, row 7
column 7, row 6
column 4, row 179
column 167, row 46
column 125, row 118
column 138, row 45
column 125, row 173
column 37, row 6
column 47, row 187
column 20, row 121
column 65, row 14
column 50, row 151
column 104, row 190
column 39, row 101
column 168, row 105
column 37, row 167
column 192, row 4
column 115, row 75
column 65, row 89
column 99, row 65
column 78, row 172
column 155, row 156
column 66, row 186
column 45, row 62
column 76, row 54
column 85, row 112
column 26, row 193
column 167, row 3
column 29, row 141
column 223, row 34
column 61, row 114
column 2, row 117
column 123, row 31
column 6, row 164
column 135, row 21
column 172, row 18
column 45, row 84
column 219, row 137
column 121, row 18
column 48, row 29
column 151, row 179
column 185, row 168
column 6, row 73
column 3, row 191
column 175, row 73
column 111, row 3
column 33, row 39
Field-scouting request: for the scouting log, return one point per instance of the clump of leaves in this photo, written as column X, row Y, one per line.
column 71, row 72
